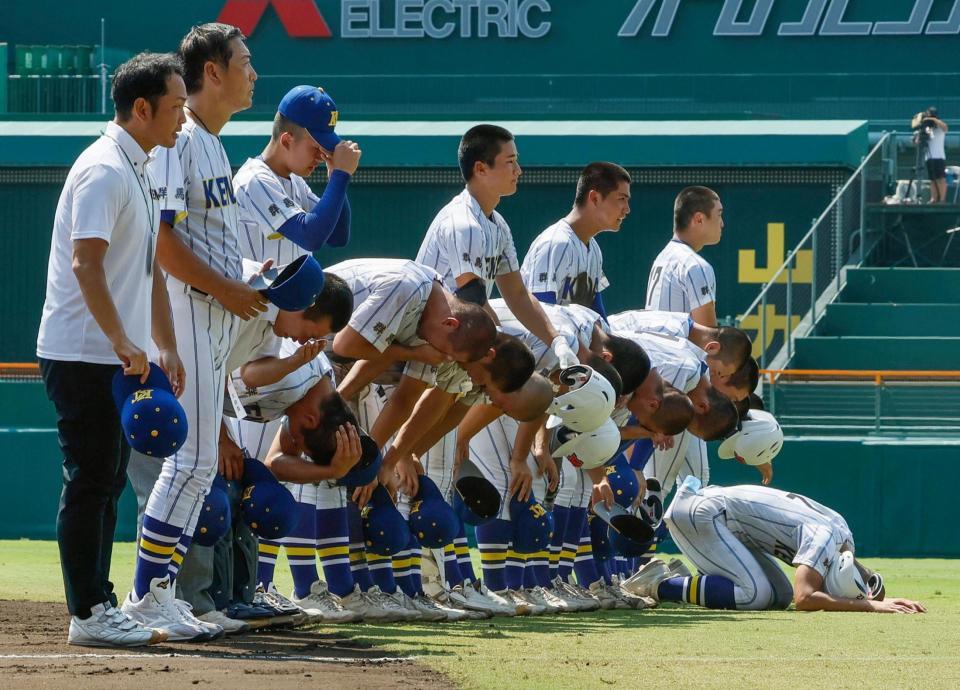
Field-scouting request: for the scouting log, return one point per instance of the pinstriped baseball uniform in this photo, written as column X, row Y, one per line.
column 723, row 531
column 677, row 324
column 559, row 262
column 389, row 296
column 680, row 280
column 463, row 240
column 206, row 222
column 265, row 408
column 677, row 363
column 546, row 359
column 266, row 202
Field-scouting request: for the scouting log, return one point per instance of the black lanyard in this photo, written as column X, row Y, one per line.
column 151, row 215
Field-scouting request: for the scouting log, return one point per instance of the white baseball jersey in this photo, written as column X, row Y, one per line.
column 199, row 186
column 546, row 359
column 654, row 321
column 680, row 280
column 558, row 261
column 267, row 201
column 266, row 403
column 110, row 194
column 389, row 296
column 674, row 358
column 582, row 320
column 463, row 240
column 730, row 530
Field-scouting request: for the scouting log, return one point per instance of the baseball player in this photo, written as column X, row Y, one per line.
column 105, row 300
column 281, row 218
column 564, row 264
column 680, row 279
column 198, row 246
column 735, row 537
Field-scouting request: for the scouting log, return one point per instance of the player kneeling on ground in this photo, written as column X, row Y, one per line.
column 735, row 536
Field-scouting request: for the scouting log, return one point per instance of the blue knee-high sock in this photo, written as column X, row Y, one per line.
column 381, row 570
column 333, row 547
column 560, row 514
column 516, row 564
column 158, row 542
column 301, row 549
column 539, row 567
column 576, row 519
column 493, row 542
column 620, row 566
column 178, row 555
column 358, row 556
column 404, row 566
column 584, row 565
column 464, row 561
column 267, row 552
column 451, row 566
column 712, row 591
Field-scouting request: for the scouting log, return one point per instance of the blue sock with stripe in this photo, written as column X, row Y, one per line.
column 464, row 561
column 358, row 556
column 158, row 541
column 576, row 520
column 493, row 541
column 404, row 564
column 301, row 549
column 451, row 566
column 333, row 547
column 584, row 565
column 267, row 552
column 711, row 591
column 178, row 555
column 560, row 515
column 516, row 564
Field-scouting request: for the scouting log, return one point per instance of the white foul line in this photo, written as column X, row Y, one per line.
column 214, row 655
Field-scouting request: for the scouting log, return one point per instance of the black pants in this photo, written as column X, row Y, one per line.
column 95, row 458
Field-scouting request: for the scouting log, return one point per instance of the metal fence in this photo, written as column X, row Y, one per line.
column 789, row 305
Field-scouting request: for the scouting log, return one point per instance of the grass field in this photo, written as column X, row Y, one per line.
column 670, row 646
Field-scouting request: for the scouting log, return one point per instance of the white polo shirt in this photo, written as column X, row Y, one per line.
column 110, row 194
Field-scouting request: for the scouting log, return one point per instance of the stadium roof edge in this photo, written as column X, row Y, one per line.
column 422, row 143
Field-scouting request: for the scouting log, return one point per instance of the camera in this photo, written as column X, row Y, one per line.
column 921, row 123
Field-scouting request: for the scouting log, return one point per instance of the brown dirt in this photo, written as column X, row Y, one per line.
column 34, row 654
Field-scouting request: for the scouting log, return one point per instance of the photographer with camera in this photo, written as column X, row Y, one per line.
column 930, row 137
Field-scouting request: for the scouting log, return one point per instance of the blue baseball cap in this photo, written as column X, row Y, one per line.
column 475, row 499
column 385, row 531
column 153, row 421
column 367, row 467
column 598, row 537
column 215, row 516
column 432, row 520
column 624, row 546
column 312, row 108
column 254, row 472
column 532, row 525
column 293, row 287
column 623, row 482
column 269, row 509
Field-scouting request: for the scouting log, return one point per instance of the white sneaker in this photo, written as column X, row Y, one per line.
column 581, row 601
column 473, row 596
column 593, row 603
column 608, row 596
column 231, row 626
column 431, row 610
column 369, row 609
column 555, row 603
column 288, row 614
column 645, row 581
column 324, row 605
column 392, row 604
column 406, row 603
column 678, row 568
column 158, row 609
column 186, row 611
column 450, row 601
column 107, row 626
column 571, row 603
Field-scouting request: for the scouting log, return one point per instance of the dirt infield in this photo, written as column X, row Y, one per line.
column 34, row 654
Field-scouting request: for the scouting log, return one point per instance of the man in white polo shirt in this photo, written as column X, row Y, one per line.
column 105, row 299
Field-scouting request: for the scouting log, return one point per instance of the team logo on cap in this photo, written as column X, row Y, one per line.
column 144, row 394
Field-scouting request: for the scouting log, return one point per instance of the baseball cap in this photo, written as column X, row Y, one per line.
column 312, row 108
column 432, row 519
column 385, row 532
column 367, row 467
column 532, row 525
column 292, row 287
column 152, row 418
column 215, row 515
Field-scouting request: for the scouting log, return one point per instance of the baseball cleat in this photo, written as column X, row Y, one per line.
column 474, row 596
column 158, row 610
column 370, row 609
column 231, row 626
column 432, row 611
column 107, row 626
column 520, row 607
column 324, row 605
column 678, row 568
column 645, row 581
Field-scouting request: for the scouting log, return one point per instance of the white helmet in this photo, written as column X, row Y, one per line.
column 843, row 578
column 586, row 449
column 758, row 440
column 587, row 404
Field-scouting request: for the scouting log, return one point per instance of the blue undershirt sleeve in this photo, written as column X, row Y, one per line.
column 598, row 305
column 546, row 297
column 312, row 229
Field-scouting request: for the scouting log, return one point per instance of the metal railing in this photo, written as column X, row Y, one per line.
column 790, row 303
column 865, row 401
